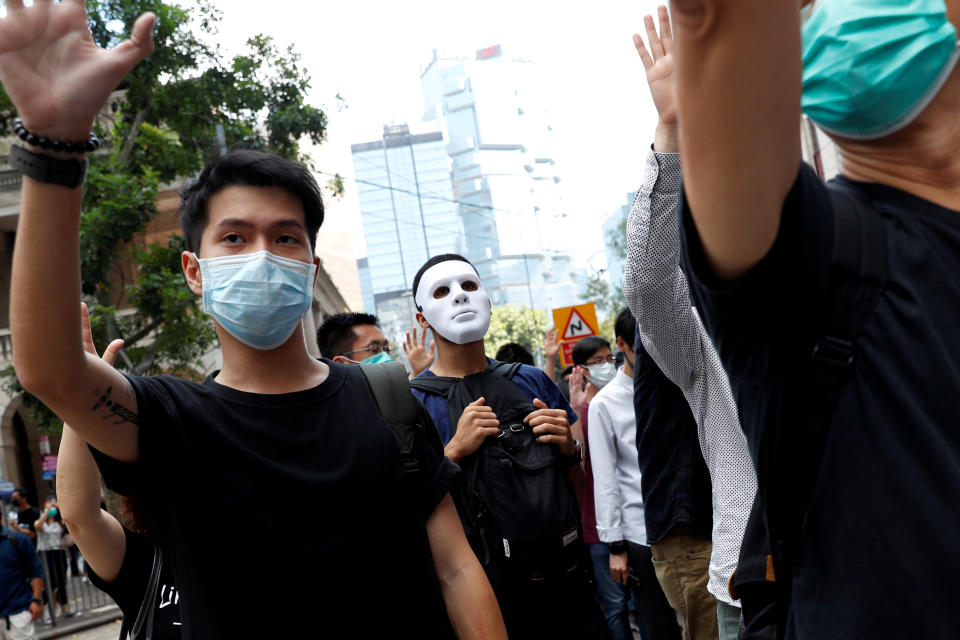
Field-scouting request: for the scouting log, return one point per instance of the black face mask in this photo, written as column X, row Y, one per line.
column 15, row 502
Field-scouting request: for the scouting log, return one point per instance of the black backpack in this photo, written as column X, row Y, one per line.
column 515, row 498
column 859, row 272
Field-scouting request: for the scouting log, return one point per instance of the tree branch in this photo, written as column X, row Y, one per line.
column 127, row 150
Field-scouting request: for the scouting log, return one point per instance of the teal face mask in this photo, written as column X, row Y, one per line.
column 870, row 67
column 380, row 357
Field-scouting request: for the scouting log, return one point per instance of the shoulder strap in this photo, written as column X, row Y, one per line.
column 397, row 406
column 144, row 619
column 505, row 369
column 859, row 271
column 437, row 385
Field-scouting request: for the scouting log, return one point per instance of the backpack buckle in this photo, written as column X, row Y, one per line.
column 833, row 353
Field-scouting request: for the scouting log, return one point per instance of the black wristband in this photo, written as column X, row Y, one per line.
column 37, row 600
column 47, row 169
column 616, row 548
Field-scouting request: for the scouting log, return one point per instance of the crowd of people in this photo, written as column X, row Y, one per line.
column 769, row 452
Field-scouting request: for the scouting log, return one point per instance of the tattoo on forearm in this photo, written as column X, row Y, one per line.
column 114, row 410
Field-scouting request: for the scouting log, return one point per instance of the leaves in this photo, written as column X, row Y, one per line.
column 522, row 325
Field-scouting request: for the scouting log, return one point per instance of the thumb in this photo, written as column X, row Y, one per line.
column 478, row 402
column 140, row 44
column 539, row 404
column 110, row 353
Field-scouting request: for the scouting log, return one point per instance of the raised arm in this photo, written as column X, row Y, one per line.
column 738, row 95
column 98, row 535
column 58, row 80
column 655, row 287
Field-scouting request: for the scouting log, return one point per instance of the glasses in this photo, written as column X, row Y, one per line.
column 601, row 360
column 374, row 349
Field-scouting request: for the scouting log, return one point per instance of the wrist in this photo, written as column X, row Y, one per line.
column 452, row 451
column 617, row 548
column 666, row 138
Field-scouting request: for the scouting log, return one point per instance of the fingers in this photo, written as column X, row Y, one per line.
column 110, row 353
column 13, row 5
column 666, row 31
column 656, row 48
column 423, row 336
column 642, row 50
column 478, row 402
column 85, row 332
column 539, row 404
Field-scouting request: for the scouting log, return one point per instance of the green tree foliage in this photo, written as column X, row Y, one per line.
column 608, row 300
column 173, row 114
column 522, row 325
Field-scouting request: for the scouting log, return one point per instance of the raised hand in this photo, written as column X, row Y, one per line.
column 659, row 64
column 56, row 76
column 420, row 356
column 580, row 394
column 110, row 353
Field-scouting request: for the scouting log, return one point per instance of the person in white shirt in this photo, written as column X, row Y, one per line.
column 616, row 486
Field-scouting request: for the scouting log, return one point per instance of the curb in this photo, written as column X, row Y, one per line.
column 102, row 616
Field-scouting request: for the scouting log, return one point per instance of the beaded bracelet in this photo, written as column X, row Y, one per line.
column 55, row 145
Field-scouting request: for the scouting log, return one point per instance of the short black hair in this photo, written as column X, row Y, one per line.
column 514, row 352
column 586, row 347
column 445, row 257
column 336, row 335
column 625, row 326
column 21, row 491
column 246, row 167
column 566, row 371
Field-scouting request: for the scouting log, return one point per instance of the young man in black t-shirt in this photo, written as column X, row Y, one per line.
column 295, row 442
column 27, row 515
column 864, row 552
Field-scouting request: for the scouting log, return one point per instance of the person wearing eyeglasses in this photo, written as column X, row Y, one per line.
column 356, row 338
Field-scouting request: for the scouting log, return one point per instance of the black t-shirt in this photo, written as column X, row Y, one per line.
column 130, row 585
column 288, row 515
column 26, row 519
column 879, row 547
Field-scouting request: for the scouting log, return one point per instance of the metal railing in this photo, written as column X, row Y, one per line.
column 81, row 596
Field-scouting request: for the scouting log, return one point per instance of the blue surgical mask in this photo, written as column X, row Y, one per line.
column 380, row 357
column 870, row 67
column 258, row 298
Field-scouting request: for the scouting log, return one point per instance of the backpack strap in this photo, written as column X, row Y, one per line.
column 397, row 406
column 144, row 619
column 505, row 369
column 859, row 267
column 437, row 385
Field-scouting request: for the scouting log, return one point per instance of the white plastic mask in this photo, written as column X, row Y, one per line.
column 452, row 299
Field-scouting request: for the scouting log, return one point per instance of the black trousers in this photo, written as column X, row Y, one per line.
column 655, row 616
column 561, row 607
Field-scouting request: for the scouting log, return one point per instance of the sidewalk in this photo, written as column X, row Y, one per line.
column 80, row 622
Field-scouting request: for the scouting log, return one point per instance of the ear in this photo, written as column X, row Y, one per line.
column 622, row 345
column 423, row 321
column 341, row 360
column 316, row 273
column 191, row 270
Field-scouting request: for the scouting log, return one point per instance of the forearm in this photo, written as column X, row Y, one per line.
column 78, row 481
column 738, row 79
column 37, row 585
column 471, row 604
column 45, row 288
column 606, row 493
column 654, row 285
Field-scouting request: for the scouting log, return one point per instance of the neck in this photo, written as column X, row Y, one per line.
column 286, row 369
column 23, row 507
column 459, row 360
column 921, row 160
column 627, row 368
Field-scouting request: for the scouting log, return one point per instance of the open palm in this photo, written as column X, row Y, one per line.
column 53, row 71
column 659, row 64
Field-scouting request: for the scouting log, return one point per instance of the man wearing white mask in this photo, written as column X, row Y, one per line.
column 515, row 437
column 274, row 434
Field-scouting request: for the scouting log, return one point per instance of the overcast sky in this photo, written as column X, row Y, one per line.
column 371, row 51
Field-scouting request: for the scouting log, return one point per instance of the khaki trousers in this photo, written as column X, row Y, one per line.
column 682, row 564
